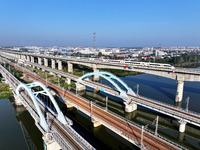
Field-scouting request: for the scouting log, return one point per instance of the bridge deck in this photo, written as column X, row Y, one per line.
column 129, row 129
column 178, row 113
column 70, row 139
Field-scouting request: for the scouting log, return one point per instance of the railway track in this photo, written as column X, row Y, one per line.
column 54, row 124
column 131, row 96
column 149, row 140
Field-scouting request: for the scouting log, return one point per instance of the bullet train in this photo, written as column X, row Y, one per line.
column 132, row 64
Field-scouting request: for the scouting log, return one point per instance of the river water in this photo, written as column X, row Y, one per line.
column 164, row 89
column 17, row 126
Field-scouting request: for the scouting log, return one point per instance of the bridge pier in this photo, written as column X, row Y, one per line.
column 68, row 81
column 182, row 125
column 50, row 143
column 53, row 64
column 39, row 60
column 46, row 62
column 28, row 58
column 70, row 67
column 59, row 65
column 24, row 57
column 179, row 92
column 69, row 105
column 80, row 87
column 96, row 123
column 18, row 101
column 96, row 77
column 32, row 59
column 130, row 107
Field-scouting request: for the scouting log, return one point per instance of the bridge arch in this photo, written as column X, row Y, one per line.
column 33, row 96
column 109, row 77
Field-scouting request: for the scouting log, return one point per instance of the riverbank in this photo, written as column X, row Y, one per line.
column 121, row 73
column 5, row 91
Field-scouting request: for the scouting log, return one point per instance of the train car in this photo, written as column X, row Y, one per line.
column 159, row 65
column 151, row 65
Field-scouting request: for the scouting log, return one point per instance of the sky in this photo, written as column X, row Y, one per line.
column 117, row 23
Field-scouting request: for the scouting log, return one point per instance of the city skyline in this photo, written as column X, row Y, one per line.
column 117, row 24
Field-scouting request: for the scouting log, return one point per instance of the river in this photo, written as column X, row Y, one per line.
column 164, row 89
column 15, row 123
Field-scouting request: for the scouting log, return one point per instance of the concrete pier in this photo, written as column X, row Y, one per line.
column 80, row 87
column 182, row 126
column 130, row 107
column 95, row 78
column 70, row 67
column 28, row 58
column 69, row 105
column 60, row 65
column 50, row 143
column 32, row 59
column 46, row 62
column 39, row 60
column 96, row 123
column 18, row 101
column 179, row 92
column 53, row 64
column 68, row 81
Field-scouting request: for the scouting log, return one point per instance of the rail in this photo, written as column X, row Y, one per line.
column 151, row 104
column 97, row 117
column 75, row 136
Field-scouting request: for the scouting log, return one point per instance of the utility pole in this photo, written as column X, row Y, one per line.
column 156, row 130
column 91, row 109
column 94, row 40
column 76, row 90
column 138, row 89
column 142, row 137
column 106, row 102
column 46, row 78
column 187, row 103
column 58, row 81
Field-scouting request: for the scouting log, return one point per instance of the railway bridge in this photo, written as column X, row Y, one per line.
column 56, row 128
column 178, row 74
column 60, row 132
column 131, row 100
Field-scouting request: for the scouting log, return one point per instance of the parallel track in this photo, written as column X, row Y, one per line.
column 129, row 129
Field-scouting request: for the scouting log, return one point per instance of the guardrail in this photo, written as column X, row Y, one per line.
column 171, row 112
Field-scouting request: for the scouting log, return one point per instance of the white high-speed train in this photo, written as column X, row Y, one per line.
column 152, row 65
column 133, row 64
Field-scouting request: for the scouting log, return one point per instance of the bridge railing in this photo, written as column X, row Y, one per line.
column 166, row 109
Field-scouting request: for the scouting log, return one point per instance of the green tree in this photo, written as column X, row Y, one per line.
column 100, row 54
